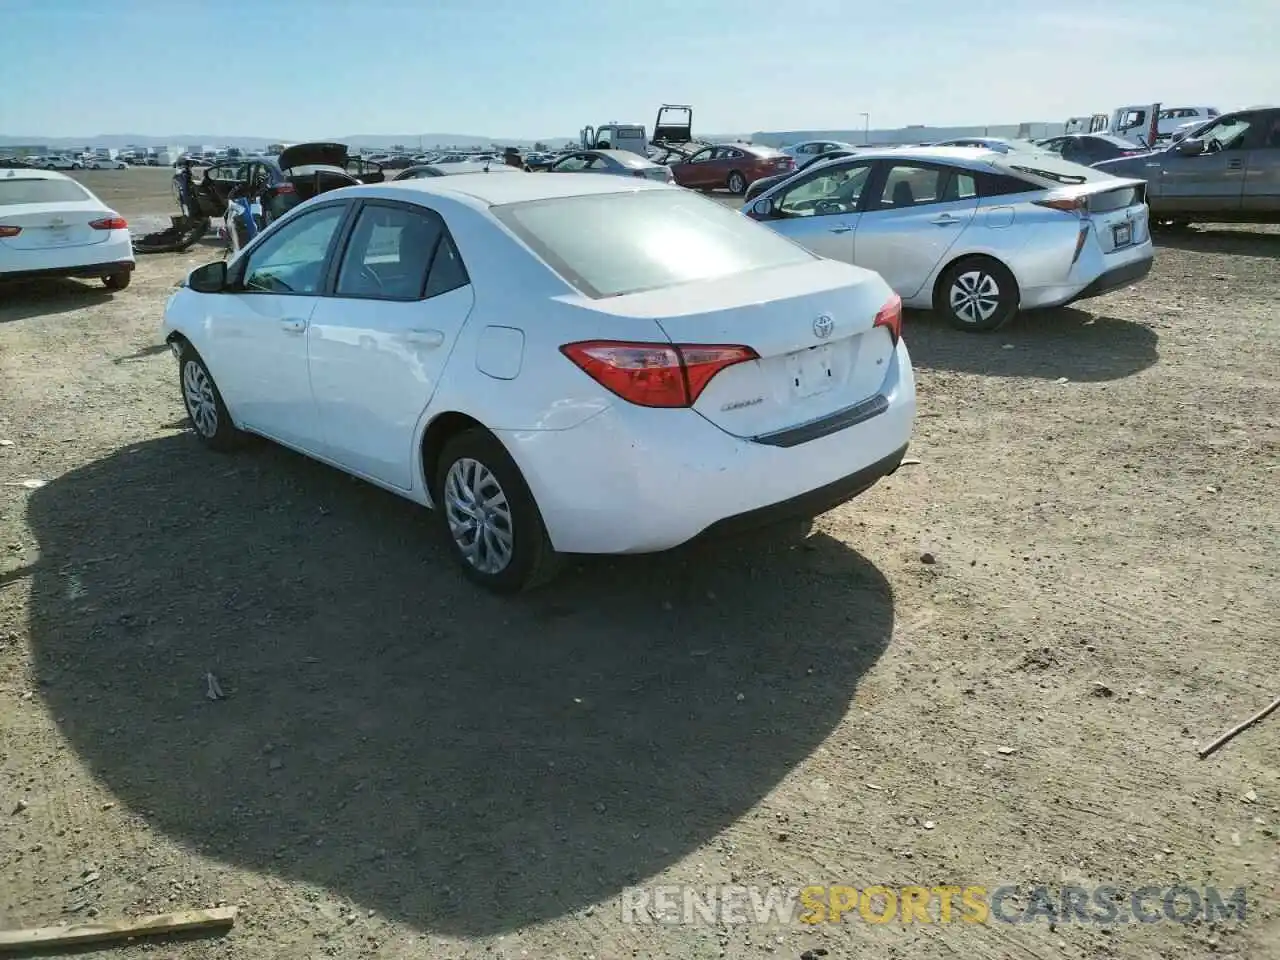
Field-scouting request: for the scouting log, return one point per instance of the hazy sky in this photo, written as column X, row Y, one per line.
column 298, row 69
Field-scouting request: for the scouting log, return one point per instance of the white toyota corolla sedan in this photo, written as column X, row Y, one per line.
column 555, row 364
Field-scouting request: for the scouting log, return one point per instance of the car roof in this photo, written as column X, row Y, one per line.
column 34, row 173
column 972, row 156
column 624, row 157
column 481, row 189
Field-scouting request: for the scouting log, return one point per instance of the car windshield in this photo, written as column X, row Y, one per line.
column 33, row 190
column 608, row 245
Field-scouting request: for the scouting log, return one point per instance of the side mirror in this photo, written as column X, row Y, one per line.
column 211, row 278
column 1190, row 147
column 762, row 209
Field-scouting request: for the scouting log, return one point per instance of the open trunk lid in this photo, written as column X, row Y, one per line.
column 313, row 155
column 811, row 324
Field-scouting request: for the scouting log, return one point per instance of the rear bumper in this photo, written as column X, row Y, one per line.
column 637, row 480
column 809, row 504
column 85, row 270
column 1115, row 279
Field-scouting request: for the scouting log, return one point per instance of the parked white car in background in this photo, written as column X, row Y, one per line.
column 808, row 149
column 51, row 226
column 974, row 234
column 545, row 358
column 106, row 163
column 63, row 163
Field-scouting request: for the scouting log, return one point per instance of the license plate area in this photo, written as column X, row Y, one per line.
column 811, row 371
column 1122, row 234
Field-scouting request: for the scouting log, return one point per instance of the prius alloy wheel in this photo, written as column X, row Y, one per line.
column 977, row 294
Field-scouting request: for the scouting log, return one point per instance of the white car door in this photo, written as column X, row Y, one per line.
column 911, row 220
column 820, row 210
column 378, row 346
column 255, row 333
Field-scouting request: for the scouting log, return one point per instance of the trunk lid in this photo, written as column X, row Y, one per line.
column 313, row 155
column 53, row 225
column 781, row 313
column 1117, row 212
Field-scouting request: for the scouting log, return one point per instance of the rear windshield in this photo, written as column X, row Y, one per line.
column 32, row 190
column 608, row 245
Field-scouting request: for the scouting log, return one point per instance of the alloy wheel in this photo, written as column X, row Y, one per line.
column 479, row 516
column 974, row 296
column 202, row 406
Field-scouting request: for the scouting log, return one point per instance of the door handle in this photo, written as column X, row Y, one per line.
column 425, row 338
column 945, row 220
column 293, row 325
column 842, row 228
column 1234, row 164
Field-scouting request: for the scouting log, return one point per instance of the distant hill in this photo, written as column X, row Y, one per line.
column 117, row 141
column 120, row 140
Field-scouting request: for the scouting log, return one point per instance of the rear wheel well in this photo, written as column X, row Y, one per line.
column 976, row 257
column 437, row 434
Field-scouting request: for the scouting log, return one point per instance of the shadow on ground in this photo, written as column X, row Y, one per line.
column 1240, row 242
column 1048, row 344
column 460, row 762
column 22, row 299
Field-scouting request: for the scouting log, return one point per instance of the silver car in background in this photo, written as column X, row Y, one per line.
column 973, row 234
column 622, row 163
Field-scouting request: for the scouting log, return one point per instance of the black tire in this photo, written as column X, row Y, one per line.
column 969, row 288
column 1172, row 223
column 216, row 432
column 736, row 183
column 117, row 281
column 531, row 560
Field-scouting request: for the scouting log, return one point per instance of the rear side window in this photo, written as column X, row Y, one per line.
column 32, row 190
column 1001, row 185
column 1117, row 199
column 608, row 245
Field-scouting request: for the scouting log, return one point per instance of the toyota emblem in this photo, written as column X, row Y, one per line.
column 823, row 326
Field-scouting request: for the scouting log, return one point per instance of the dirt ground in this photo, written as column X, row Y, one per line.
column 403, row 767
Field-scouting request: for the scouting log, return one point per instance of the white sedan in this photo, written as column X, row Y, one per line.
column 52, row 226
column 106, row 163
column 557, row 364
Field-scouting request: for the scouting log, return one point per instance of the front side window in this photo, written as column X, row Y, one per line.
column 646, row 240
column 291, row 259
column 389, row 254
column 831, row 190
column 1227, row 133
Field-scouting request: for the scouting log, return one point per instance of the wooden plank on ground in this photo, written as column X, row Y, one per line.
column 183, row 921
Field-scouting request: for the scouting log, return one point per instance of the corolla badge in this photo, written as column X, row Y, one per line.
column 823, row 326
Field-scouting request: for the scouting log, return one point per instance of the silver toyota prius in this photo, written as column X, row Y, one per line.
column 974, row 234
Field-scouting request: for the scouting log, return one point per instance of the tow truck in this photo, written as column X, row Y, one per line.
column 672, row 131
column 1145, row 124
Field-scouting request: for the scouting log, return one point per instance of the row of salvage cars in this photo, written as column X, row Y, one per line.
column 561, row 364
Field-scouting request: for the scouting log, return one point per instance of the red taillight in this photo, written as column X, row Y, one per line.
column 1076, row 205
column 890, row 317
column 9, row 231
column 110, row 223
column 655, row 374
